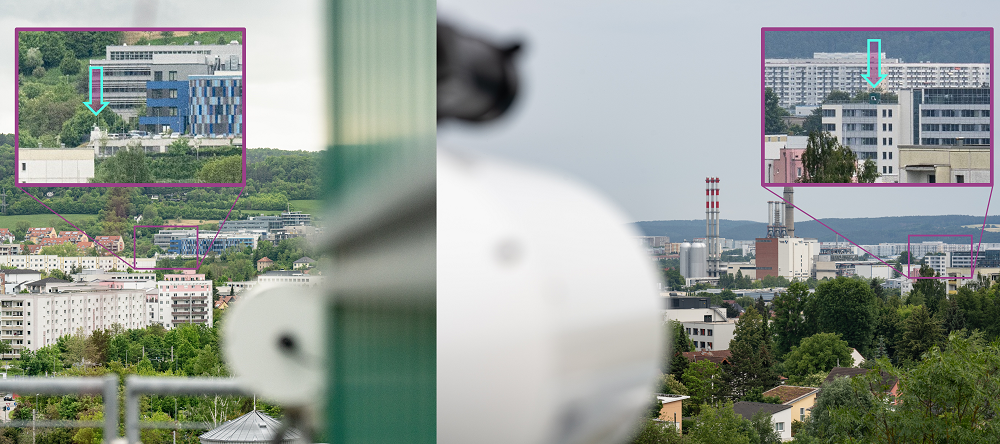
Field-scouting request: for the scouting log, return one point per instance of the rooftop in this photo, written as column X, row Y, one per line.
column 747, row 409
column 789, row 393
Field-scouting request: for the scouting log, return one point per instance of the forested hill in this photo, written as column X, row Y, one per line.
column 910, row 46
column 858, row 230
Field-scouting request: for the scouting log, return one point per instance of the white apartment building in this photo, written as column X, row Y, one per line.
column 809, row 81
column 184, row 298
column 66, row 264
column 33, row 320
column 293, row 277
column 872, row 131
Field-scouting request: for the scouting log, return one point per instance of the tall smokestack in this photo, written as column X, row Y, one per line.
column 790, row 211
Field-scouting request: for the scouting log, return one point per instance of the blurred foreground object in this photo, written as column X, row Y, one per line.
column 548, row 314
column 549, row 322
column 476, row 79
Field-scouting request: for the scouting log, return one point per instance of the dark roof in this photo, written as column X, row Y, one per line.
column 747, row 409
column 19, row 271
column 49, row 280
column 716, row 356
column 850, row 372
column 787, row 393
column 304, row 259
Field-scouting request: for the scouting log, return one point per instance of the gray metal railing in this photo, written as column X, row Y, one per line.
column 107, row 387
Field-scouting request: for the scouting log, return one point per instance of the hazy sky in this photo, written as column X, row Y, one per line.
column 640, row 100
column 644, row 99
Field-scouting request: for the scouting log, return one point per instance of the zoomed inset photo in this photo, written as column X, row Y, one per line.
column 877, row 106
column 125, row 107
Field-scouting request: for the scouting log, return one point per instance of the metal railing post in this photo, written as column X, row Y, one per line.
column 138, row 385
column 110, row 407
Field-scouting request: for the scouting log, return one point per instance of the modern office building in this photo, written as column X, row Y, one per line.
column 167, row 107
column 254, row 223
column 944, row 164
column 127, row 69
column 943, row 116
column 809, row 81
column 216, row 104
column 871, row 130
column 184, row 298
column 984, row 259
column 207, row 243
column 291, row 218
column 55, row 165
column 163, row 238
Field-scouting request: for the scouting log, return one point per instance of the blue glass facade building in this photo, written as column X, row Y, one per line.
column 216, row 104
column 167, row 104
column 201, row 246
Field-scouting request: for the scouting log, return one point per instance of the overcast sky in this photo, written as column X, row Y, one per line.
column 640, row 100
column 644, row 99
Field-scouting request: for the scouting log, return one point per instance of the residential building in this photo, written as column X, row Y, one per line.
column 34, row 320
column 34, row 234
column 800, row 399
column 114, row 244
column 871, row 130
column 167, row 107
column 48, row 262
column 11, row 280
column 184, row 298
column 720, row 357
column 986, row 275
column 781, row 415
column 303, row 262
column 263, row 263
column 8, row 249
column 885, row 384
column 216, row 105
column 127, row 69
column 670, row 410
column 858, row 359
column 55, row 165
column 957, row 163
column 163, row 237
column 807, row 81
column 73, row 236
column 5, row 236
column 940, row 262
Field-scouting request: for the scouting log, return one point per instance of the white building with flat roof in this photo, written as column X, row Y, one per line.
column 184, row 298
column 55, row 165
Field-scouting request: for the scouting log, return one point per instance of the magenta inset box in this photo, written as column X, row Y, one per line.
column 972, row 256
column 197, row 246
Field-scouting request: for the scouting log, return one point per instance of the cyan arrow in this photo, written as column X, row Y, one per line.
column 96, row 90
column 874, row 76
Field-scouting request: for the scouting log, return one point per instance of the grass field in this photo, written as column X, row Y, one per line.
column 43, row 220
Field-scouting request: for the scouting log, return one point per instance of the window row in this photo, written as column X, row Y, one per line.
column 694, row 331
column 954, row 113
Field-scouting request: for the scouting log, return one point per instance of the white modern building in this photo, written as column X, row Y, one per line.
column 55, row 165
column 292, row 277
column 871, row 130
column 939, row 262
column 809, row 81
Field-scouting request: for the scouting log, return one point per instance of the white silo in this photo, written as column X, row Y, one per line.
column 698, row 261
column 685, row 259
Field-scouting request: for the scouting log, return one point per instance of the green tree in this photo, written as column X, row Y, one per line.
column 225, row 170
column 789, row 325
column 830, row 420
column 128, row 165
column 825, row 160
column 21, row 228
column 836, row 96
column 69, row 66
column 32, row 60
column 849, row 307
column 62, row 250
column 762, row 429
column 720, row 425
column 921, row 332
column 701, row 381
column 752, row 360
column 932, row 289
column 773, row 113
column 680, row 343
column 652, row 432
column 814, row 122
column 818, row 353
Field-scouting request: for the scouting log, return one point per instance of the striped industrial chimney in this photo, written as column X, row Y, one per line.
column 712, row 226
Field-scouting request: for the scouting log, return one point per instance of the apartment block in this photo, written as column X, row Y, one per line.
column 809, row 81
column 179, row 299
column 871, row 130
column 48, row 262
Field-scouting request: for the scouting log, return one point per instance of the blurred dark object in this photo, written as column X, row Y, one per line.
column 476, row 79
